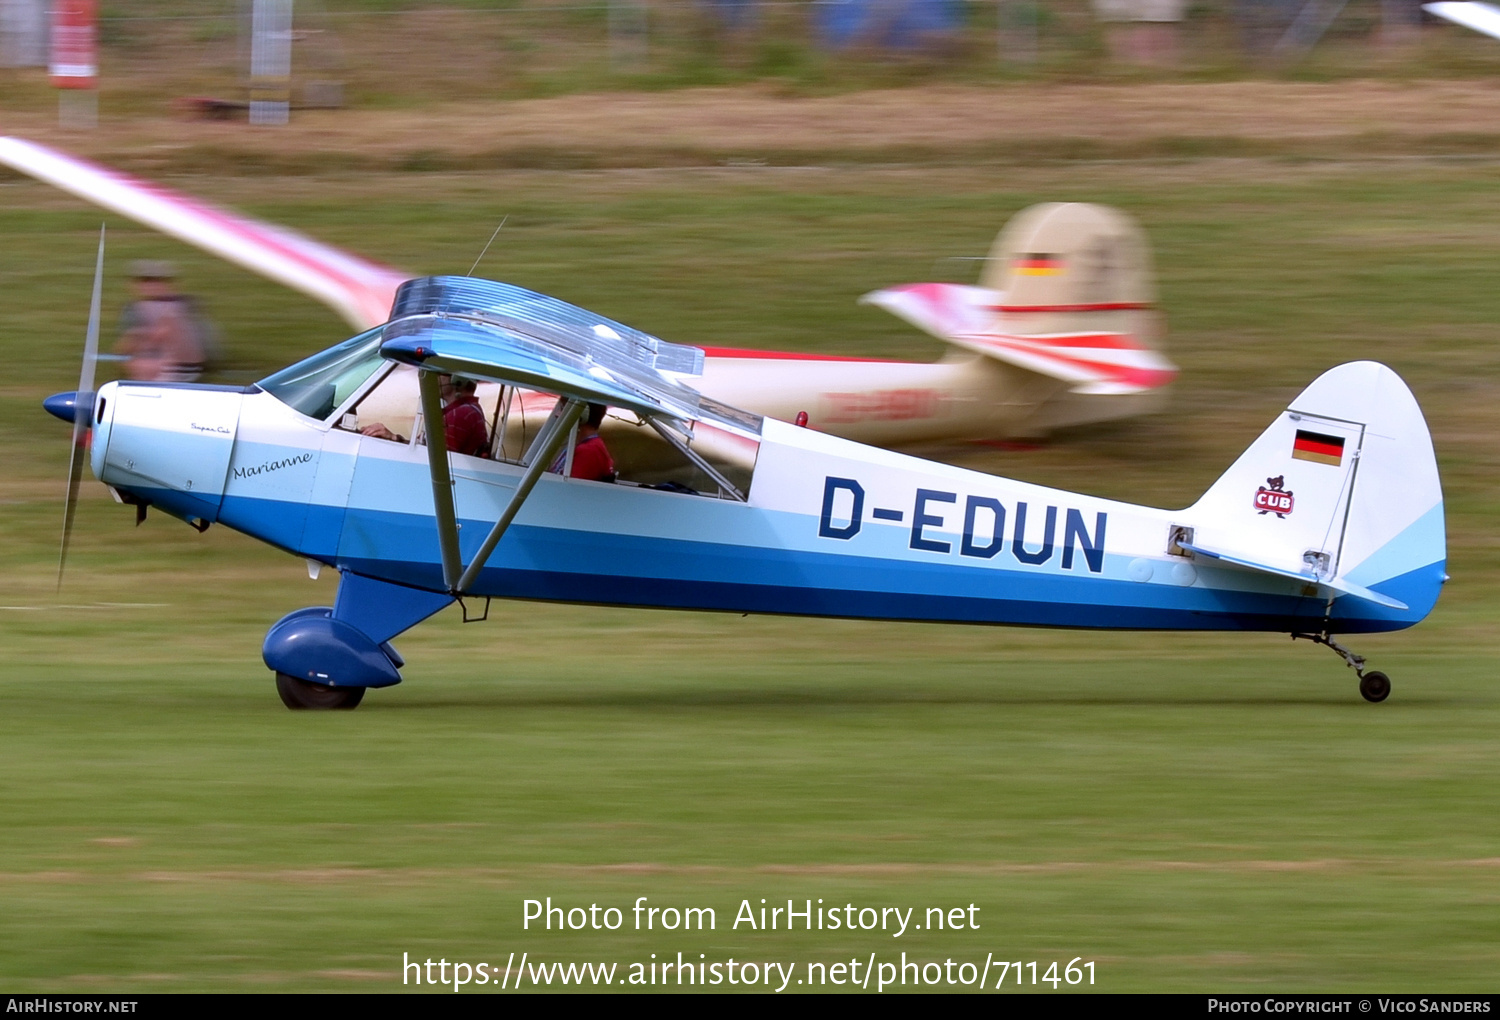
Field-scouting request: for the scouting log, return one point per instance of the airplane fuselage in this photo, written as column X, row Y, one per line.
column 828, row 528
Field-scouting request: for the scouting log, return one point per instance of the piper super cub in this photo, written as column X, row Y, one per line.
column 1330, row 523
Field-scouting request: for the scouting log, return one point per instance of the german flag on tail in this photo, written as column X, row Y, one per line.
column 1317, row 447
column 1038, row 264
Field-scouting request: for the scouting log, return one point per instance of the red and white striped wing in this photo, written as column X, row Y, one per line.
column 359, row 290
column 1095, row 363
column 1091, row 362
column 943, row 309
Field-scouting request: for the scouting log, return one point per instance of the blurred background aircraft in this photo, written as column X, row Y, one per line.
column 1061, row 330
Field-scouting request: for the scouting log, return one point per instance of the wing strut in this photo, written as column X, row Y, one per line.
column 544, row 452
column 442, row 480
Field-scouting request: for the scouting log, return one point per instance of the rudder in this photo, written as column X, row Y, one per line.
column 1342, row 488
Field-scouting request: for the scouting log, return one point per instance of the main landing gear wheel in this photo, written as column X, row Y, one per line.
column 297, row 693
column 1375, row 686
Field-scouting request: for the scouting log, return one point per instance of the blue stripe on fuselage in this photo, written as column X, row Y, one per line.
column 551, row 563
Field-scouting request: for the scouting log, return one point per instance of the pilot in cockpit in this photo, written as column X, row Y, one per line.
column 463, row 418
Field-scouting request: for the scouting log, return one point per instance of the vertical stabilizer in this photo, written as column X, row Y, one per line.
column 1064, row 267
column 1343, row 489
column 1067, row 297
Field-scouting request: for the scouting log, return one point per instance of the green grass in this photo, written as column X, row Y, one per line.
column 1192, row 812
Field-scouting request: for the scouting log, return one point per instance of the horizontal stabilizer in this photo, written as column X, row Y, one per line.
column 358, row 290
column 1336, row 585
column 1103, row 362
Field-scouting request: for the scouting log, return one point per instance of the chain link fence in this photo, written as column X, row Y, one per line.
column 387, row 53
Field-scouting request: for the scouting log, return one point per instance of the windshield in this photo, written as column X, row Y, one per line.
column 319, row 384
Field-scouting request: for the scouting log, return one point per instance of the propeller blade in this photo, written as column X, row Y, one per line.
column 83, row 415
column 75, row 473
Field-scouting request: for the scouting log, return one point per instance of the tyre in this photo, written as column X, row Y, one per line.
column 1375, row 686
column 297, row 693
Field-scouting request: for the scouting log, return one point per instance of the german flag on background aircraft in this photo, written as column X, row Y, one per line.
column 1317, row 447
column 1038, row 264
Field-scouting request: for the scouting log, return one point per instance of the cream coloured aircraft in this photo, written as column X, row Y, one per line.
column 1061, row 330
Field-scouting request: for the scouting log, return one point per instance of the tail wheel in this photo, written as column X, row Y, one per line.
column 1375, row 686
column 297, row 694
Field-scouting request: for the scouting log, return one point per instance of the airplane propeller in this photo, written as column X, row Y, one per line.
column 83, row 410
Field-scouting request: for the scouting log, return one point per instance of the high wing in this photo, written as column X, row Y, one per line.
column 514, row 336
column 1484, row 18
column 511, row 335
column 1096, row 362
column 359, row 290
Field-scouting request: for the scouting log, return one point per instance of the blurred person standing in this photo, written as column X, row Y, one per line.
column 159, row 331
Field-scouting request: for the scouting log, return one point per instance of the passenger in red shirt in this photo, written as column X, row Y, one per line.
column 591, row 457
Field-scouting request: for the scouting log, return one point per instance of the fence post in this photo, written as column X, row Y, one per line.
column 629, row 33
column 1016, row 31
column 270, row 61
column 23, row 33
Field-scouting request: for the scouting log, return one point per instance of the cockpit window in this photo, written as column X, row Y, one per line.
column 319, row 384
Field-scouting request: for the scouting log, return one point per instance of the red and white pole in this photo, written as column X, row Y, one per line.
column 74, row 63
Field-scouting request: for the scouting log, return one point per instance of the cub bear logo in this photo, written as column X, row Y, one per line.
column 1274, row 497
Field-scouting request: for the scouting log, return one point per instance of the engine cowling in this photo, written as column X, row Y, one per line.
column 168, row 444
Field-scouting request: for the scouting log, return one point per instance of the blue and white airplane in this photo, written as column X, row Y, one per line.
column 1331, row 523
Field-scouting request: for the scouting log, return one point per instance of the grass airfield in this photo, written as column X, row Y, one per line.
column 1191, row 812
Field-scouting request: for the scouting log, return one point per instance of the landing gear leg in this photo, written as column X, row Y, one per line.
column 1374, row 686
